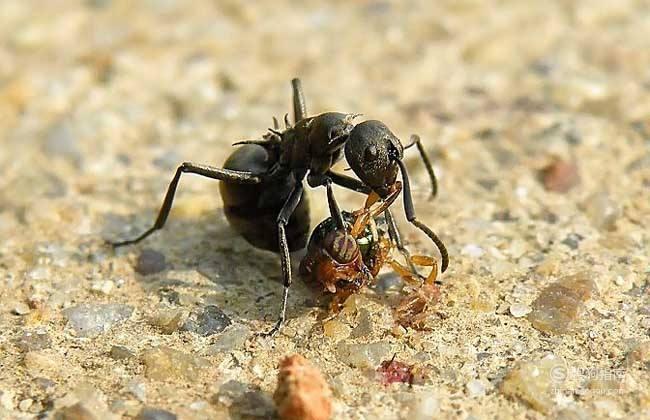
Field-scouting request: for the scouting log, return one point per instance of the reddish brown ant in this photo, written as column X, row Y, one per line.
column 342, row 261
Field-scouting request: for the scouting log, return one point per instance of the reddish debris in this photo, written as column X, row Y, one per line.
column 391, row 371
column 302, row 392
column 560, row 176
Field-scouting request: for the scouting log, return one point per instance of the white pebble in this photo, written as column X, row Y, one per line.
column 472, row 250
column 519, row 309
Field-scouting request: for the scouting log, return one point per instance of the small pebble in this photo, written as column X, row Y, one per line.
column 533, row 382
column 336, row 329
column 150, row 262
column 231, row 339
column 25, row 404
column 34, row 340
column 89, row 320
column 602, row 210
column 121, row 353
column 20, row 309
column 422, row 406
column 138, row 388
column 164, row 363
column 169, row 320
column 43, row 363
column 475, row 388
column 75, row 412
column 560, row 176
column 364, row 324
column 104, row 287
column 155, row 414
column 559, row 305
column 519, row 310
column 210, row 320
column 364, row 355
column 302, row 392
column 472, row 250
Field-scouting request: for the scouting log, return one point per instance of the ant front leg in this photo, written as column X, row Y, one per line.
column 409, row 209
column 285, row 258
column 226, row 175
column 415, row 140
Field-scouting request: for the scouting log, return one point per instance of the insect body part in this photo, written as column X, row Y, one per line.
column 343, row 260
column 375, row 155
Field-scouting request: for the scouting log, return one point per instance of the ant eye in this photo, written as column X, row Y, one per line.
column 371, row 153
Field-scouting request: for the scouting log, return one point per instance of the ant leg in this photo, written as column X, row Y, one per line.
column 348, row 182
column 415, row 140
column 285, row 259
column 299, row 106
column 396, row 237
column 226, row 175
column 335, row 211
column 409, row 209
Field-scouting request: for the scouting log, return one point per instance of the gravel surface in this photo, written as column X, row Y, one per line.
column 535, row 113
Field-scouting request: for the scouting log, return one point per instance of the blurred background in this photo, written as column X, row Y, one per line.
column 536, row 114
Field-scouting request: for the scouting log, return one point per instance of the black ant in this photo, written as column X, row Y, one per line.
column 262, row 181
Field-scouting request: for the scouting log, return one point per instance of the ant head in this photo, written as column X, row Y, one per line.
column 372, row 151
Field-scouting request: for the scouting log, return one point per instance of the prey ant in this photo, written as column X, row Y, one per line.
column 262, row 182
column 343, row 260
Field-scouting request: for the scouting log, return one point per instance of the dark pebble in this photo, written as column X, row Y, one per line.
column 155, row 414
column 572, row 240
column 211, row 320
column 150, row 262
column 560, row 176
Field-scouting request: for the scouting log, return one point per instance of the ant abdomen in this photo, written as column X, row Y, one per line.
column 252, row 209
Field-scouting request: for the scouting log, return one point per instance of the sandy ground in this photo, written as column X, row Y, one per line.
column 100, row 100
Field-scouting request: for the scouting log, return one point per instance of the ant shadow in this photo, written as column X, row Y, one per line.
column 242, row 280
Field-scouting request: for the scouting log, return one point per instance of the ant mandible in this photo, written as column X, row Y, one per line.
column 262, row 182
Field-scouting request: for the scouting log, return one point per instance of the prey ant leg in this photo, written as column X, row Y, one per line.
column 212, row 172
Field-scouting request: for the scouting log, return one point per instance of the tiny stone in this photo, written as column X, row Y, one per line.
column 472, row 250
column 75, row 412
column 364, row 355
column 475, row 388
column 102, row 287
column 25, row 404
column 150, row 262
column 211, row 320
column 20, row 309
column 89, row 320
column 602, row 210
column 121, row 353
column 519, row 309
column 231, row 339
column 423, row 406
column 138, row 388
column 43, row 363
column 364, row 327
column 155, row 414
column 560, row 176
column 336, row 329
column 572, row 240
column 34, row 340
column 164, row 363
column 229, row 392
column 169, row 320
column 533, row 382
column 561, row 303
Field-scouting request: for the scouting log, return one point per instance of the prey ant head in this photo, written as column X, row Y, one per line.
column 373, row 152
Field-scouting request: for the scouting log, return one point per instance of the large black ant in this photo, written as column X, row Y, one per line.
column 262, row 184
